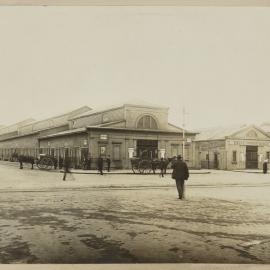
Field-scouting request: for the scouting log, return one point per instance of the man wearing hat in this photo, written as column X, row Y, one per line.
column 180, row 174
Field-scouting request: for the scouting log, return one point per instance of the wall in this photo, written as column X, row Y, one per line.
column 204, row 148
column 240, row 147
column 133, row 113
column 128, row 139
column 73, row 140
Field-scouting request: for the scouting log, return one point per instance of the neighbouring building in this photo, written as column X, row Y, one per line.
column 241, row 147
column 121, row 132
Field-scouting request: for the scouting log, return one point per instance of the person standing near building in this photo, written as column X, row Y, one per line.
column 108, row 160
column 162, row 167
column 265, row 165
column 100, row 165
column 180, row 174
column 67, row 162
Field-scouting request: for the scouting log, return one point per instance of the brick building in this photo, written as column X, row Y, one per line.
column 232, row 148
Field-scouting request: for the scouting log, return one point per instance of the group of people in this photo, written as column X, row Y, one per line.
column 100, row 165
column 180, row 171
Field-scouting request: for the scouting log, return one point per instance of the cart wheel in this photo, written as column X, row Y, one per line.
column 49, row 164
column 133, row 169
column 144, row 166
column 41, row 164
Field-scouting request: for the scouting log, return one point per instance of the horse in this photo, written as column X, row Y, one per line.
column 156, row 164
column 24, row 159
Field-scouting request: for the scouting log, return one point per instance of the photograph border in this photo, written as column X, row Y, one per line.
column 199, row 3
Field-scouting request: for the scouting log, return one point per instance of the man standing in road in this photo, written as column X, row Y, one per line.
column 180, row 174
column 100, row 165
column 108, row 160
column 67, row 164
column 162, row 167
column 265, row 165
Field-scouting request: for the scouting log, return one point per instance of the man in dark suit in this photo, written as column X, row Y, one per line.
column 100, row 165
column 67, row 163
column 108, row 160
column 162, row 167
column 180, row 174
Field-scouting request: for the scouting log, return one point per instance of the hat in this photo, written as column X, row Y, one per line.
column 179, row 157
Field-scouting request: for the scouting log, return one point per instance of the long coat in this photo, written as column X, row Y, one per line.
column 100, row 163
column 180, row 170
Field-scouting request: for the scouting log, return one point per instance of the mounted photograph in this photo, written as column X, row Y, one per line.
column 134, row 134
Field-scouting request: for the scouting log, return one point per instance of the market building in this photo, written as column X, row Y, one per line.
column 23, row 137
column 240, row 147
column 121, row 132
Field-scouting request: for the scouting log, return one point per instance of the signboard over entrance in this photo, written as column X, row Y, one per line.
column 244, row 142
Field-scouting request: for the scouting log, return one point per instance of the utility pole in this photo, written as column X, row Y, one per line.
column 184, row 125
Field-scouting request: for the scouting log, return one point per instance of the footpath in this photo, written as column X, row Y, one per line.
column 113, row 171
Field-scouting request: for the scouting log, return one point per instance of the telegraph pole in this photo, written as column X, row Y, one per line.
column 184, row 124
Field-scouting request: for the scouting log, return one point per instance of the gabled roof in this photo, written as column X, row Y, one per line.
column 114, row 107
column 172, row 127
column 52, row 122
column 110, row 126
column 221, row 133
column 14, row 127
column 265, row 127
column 97, row 111
column 64, row 133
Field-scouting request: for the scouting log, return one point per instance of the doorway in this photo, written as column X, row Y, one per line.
column 147, row 149
column 252, row 157
column 216, row 165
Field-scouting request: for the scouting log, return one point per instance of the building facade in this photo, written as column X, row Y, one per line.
column 234, row 148
column 23, row 137
column 120, row 132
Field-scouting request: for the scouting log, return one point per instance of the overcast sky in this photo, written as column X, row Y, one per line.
column 215, row 61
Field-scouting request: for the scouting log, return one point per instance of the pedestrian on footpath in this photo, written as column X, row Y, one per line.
column 180, row 174
column 108, row 160
column 162, row 167
column 100, row 165
column 265, row 165
column 67, row 163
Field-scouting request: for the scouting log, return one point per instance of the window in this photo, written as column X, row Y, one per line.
column 207, row 157
column 268, row 155
column 147, row 122
column 102, row 150
column 175, row 148
column 234, row 156
column 116, row 152
column 187, row 152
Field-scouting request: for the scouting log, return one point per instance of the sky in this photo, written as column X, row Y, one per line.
column 212, row 61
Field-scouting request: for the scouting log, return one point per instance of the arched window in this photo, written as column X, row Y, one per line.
column 147, row 122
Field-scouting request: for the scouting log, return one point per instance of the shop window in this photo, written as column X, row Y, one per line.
column 234, row 156
column 116, row 152
column 147, row 122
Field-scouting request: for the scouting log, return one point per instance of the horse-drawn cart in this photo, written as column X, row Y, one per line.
column 44, row 162
column 146, row 166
